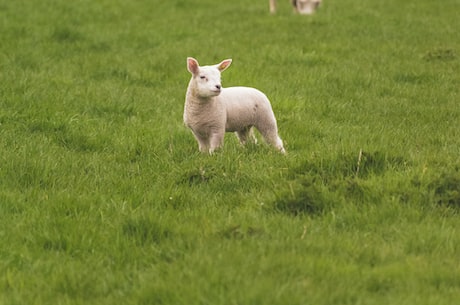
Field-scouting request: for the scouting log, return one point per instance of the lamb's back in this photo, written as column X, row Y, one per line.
column 245, row 106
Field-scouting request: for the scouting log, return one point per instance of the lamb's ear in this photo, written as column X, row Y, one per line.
column 224, row 65
column 192, row 65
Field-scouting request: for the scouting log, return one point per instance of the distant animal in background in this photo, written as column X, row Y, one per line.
column 211, row 110
column 304, row 7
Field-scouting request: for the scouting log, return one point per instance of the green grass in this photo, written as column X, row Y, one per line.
column 104, row 198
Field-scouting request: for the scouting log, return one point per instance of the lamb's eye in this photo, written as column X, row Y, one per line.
column 203, row 77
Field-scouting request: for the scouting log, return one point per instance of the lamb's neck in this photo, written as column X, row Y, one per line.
column 194, row 100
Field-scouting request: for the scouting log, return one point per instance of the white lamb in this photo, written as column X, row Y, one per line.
column 211, row 110
column 305, row 7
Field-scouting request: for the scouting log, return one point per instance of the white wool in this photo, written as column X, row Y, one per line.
column 305, row 7
column 211, row 110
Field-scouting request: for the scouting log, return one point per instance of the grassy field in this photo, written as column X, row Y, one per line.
column 104, row 198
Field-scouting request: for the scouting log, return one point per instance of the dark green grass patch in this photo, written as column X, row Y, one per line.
column 446, row 189
column 144, row 231
column 306, row 199
column 441, row 54
column 321, row 184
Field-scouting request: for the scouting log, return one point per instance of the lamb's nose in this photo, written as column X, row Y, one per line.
column 218, row 87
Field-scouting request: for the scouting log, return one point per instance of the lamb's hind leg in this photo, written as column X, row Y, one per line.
column 272, row 6
column 271, row 136
column 246, row 133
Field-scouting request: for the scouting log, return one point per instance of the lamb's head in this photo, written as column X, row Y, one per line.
column 307, row 7
column 206, row 80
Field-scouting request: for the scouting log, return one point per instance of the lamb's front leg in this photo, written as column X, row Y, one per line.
column 216, row 141
column 203, row 142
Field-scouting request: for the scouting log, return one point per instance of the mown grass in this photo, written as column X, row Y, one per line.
column 104, row 198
